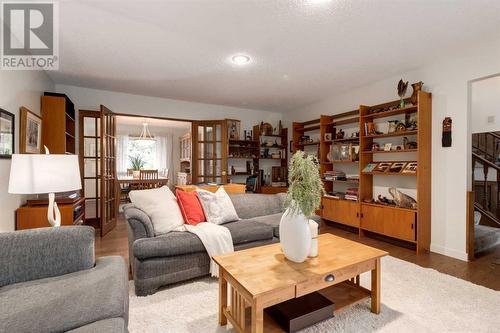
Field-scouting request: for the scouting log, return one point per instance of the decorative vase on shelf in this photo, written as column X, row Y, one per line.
column 295, row 236
column 416, row 88
column 136, row 174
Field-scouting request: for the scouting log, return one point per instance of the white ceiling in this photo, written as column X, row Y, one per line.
column 302, row 51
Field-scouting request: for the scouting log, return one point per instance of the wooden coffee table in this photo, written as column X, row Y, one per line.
column 261, row 277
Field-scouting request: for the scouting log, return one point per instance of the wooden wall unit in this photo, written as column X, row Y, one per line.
column 58, row 118
column 35, row 216
column 410, row 225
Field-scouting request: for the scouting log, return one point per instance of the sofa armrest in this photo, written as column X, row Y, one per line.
column 45, row 252
column 139, row 222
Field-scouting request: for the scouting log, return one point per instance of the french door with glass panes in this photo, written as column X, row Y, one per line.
column 90, row 164
column 98, row 167
column 209, row 151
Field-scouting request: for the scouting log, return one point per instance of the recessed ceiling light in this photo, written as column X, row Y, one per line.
column 240, row 59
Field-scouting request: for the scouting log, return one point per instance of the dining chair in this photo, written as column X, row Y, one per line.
column 148, row 175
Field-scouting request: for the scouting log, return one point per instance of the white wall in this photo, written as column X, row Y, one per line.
column 18, row 88
column 485, row 103
column 85, row 98
column 449, row 83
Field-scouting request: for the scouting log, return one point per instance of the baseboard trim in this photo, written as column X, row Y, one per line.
column 449, row 252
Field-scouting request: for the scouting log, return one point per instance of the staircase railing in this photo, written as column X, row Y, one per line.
column 485, row 153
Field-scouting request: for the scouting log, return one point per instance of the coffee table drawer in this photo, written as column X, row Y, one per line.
column 320, row 281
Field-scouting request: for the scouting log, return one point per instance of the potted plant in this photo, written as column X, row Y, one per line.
column 302, row 200
column 137, row 163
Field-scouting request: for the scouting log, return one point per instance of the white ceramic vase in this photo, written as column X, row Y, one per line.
column 295, row 236
column 136, row 174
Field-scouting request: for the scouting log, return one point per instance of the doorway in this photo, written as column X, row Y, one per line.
column 484, row 198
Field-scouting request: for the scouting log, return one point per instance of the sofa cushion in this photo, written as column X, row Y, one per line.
column 251, row 205
column 218, row 207
column 113, row 325
column 190, row 206
column 178, row 243
column 160, row 204
column 172, row 244
column 244, row 231
column 272, row 221
column 66, row 302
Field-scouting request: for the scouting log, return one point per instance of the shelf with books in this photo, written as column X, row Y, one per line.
column 409, row 225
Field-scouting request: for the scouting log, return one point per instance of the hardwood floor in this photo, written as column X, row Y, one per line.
column 484, row 271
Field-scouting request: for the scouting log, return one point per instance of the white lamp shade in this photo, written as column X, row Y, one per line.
column 38, row 174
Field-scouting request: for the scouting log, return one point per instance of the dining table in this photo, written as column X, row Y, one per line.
column 131, row 181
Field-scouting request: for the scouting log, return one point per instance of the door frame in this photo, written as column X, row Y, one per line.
column 109, row 210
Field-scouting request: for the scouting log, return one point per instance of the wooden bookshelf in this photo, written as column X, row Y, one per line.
column 412, row 226
column 58, row 119
column 365, row 217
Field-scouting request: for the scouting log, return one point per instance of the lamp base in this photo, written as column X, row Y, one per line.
column 53, row 213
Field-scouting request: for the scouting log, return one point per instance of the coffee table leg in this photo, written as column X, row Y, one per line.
column 257, row 317
column 376, row 287
column 222, row 297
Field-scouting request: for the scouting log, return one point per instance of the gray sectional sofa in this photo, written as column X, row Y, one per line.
column 51, row 282
column 178, row 256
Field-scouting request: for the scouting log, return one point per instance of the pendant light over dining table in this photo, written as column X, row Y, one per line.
column 145, row 134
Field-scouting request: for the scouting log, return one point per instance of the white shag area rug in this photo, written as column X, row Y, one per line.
column 414, row 299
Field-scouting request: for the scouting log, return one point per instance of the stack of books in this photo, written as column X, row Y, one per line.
column 336, row 195
column 352, row 177
column 334, row 175
column 351, row 194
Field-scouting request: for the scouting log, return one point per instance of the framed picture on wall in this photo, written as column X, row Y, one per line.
column 233, row 129
column 30, row 133
column 7, row 134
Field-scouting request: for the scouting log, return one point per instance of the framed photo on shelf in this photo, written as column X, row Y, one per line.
column 382, row 167
column 397, row 167
column 387, row 147
column 334, row 154
column 30, row 132
column 328, row 136
column 7, row 134
column 369, row 167
column 411, row 168
column 233, row 129
column 345, row 152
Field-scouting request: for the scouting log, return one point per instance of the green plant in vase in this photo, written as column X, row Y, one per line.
column 136, row 163
column 302, row 200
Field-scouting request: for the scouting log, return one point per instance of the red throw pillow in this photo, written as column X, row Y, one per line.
column 190, row 207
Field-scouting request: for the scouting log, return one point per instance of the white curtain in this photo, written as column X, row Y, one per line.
column 164, row 158
column 122, row 161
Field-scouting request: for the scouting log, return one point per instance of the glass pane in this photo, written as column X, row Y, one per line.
column 89, row 147
column 90, row 209
column 89, row 168
column 209, row 167
column 210, row 150
column 201, row 167
column 218, row 180
column 210, row 133
column 218, row 169
column 218, row 132
column 99, row 127
column 90, row 190
column 201, row 133
column 218, row 150
column 201, row 150
column 89, row 126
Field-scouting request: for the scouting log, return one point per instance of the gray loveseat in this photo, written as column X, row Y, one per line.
column 178, row 256
column 51, row 282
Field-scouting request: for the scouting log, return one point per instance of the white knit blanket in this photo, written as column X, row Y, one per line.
column 216, row 239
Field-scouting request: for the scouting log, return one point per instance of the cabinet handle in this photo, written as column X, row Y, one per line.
column 412, row 226
column 329, row 278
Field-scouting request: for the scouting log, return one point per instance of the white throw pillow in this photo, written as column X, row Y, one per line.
column 217, row 206
column 161, row 206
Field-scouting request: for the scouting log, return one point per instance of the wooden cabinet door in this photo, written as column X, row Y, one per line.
column 393, row 222
column 341, row 211
column 210, row 149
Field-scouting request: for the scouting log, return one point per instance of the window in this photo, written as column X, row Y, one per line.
column 144, row 149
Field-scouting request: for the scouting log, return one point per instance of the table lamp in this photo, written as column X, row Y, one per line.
column 45, row 173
